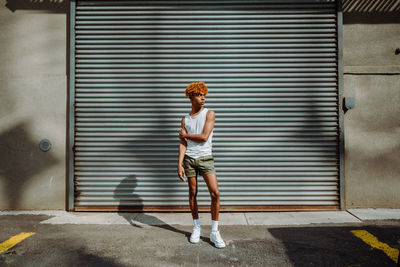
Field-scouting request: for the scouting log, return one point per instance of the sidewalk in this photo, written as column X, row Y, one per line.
column 226, row 218
column 356, row 237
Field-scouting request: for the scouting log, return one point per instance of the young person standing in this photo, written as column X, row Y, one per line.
column 195, row 157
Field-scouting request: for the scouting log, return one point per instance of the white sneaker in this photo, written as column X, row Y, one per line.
column 216, row 238
column 195, row 236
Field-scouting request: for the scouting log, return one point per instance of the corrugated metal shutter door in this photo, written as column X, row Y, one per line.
column 271, row 69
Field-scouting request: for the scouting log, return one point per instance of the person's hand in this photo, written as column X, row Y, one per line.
column 182, row 133
column 181, row 173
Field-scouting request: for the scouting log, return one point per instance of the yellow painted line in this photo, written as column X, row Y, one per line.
column 371, row 240
column 12, row 241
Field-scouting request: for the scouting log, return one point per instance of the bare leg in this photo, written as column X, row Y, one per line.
column 192, row 182
column 212, row 184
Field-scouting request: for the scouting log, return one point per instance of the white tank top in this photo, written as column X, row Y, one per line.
column 195, row 125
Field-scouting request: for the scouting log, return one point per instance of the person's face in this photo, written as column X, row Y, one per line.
column 199, row 99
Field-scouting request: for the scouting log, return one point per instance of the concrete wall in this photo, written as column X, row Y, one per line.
column 372, row 128
column 32, row 104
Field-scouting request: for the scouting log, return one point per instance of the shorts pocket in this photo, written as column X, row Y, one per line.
column 208, row 158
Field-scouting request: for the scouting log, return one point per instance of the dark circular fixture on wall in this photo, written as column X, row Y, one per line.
column 45, row 145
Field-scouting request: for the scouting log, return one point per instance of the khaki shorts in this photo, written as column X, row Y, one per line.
column 202, row 165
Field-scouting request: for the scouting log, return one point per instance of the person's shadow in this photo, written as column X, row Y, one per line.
column 125, row 195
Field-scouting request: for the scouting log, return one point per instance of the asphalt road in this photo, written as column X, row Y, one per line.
column 145, row 245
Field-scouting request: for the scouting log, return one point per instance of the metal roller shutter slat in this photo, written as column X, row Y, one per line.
column 271, row 68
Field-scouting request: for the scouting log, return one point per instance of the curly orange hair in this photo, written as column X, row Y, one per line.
column 196, row 88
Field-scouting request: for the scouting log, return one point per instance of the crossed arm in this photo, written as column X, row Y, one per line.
column 203, row 137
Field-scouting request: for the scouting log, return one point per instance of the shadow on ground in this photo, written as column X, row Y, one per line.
column 124, row 192
column 336, row 246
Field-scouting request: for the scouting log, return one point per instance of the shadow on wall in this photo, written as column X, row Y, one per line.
column 355, row 11
column 20, row 160
column 50, row 6
column 371, row 11
column 125, row 195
